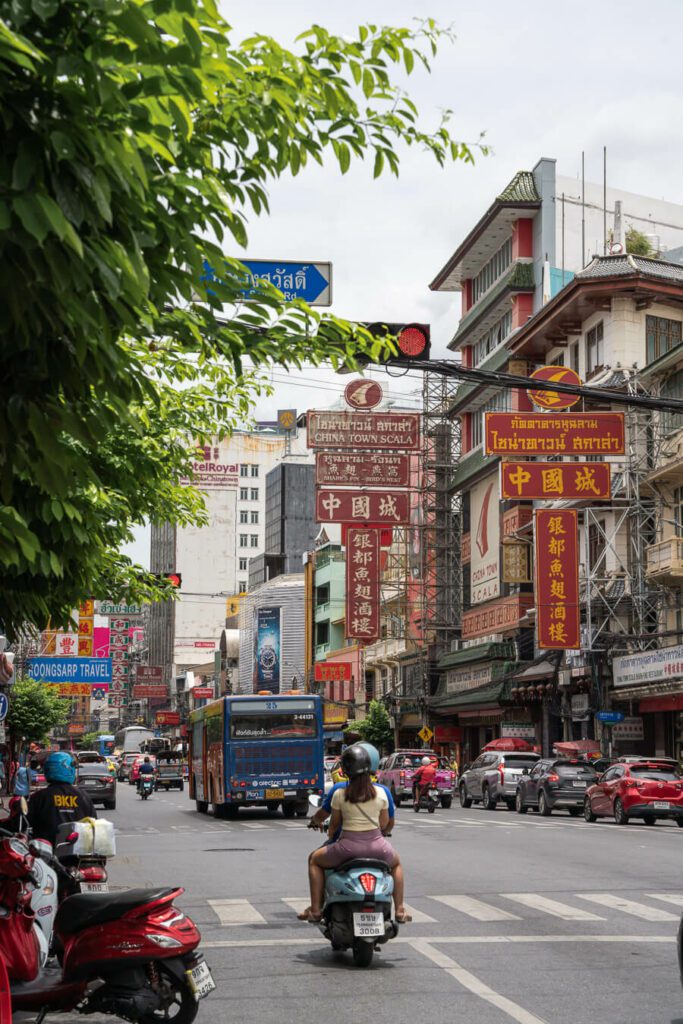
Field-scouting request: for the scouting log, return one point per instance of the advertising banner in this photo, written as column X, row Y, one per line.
column 267, row 648
column 79, row 689
column 70, row 670
column 332, row 671
column 362, row 584
column 149, row 674
column 202, row 693
column 167, row 718
column 369, row 431
column 143, row 691
column 383, row 507
column 569, row 433
column 556, row 538
column 485, row 541
column 535, row 481
column 335, row 714
column 379, row 469
column 648, row 666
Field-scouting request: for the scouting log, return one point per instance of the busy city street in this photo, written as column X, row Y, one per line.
column 514, row 919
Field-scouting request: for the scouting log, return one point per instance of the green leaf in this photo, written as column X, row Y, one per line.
column 379, row 164
column 368, row 83
column 62, row 145
column 45, row 8
column 5, row 215
column 31, row 216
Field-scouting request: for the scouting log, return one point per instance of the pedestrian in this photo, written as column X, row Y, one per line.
column 22, row 781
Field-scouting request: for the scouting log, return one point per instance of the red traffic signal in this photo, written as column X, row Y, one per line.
column 413, row 341
column 174, row 578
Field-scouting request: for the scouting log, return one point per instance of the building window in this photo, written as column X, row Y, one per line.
column 558, row 360
column 254, row 540
column 492, row 270
column 254, row 470
column 494, row 337
column 574, row 357
column 243, row 540
column 242, row 585
column 322, row 633
column 254, row 493
column 244, row 470
column 594, row 347
column 244, row 517
column 672, row 388
column 243, row 564
column 244, row 493
column 498, row 403
column 678, row 510
column 254, row 517
column 662, row 335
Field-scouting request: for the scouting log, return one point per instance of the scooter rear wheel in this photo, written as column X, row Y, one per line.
column 363, row 953
column 181, row 1005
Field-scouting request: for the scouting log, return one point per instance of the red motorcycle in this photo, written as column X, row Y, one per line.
column 132, row 954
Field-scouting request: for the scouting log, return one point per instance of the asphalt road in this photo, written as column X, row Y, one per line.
column 539, row 921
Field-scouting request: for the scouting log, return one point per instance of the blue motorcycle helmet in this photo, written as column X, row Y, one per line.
column 59, row 767
column 373, row 753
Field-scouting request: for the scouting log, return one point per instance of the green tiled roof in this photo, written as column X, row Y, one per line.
column 522, row 189
column 482, row 652
column 519, row 279
column 489, row 693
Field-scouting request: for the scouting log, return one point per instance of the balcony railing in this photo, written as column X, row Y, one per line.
column 665, row 558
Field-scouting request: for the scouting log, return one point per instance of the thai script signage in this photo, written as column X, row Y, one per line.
column 546, row 480
column 112, row 608
column 570, row 433
column 376, row 507
column 390, row 469
column 362, row 584
column 399, row 430
column 648, row 666
column 143, row 691
column 557, row 579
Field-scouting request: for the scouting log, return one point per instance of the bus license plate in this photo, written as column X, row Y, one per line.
column 275, row 794
column 368, row 925
column 200, row 980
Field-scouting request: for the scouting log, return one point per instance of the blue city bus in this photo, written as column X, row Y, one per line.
column 256, row 751
column 105, row 745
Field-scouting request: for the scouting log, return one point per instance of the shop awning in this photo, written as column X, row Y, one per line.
column 544, row 670
column 492, row 651
column 483, row 696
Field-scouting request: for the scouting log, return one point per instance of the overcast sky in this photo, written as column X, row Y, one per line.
column 539, row 78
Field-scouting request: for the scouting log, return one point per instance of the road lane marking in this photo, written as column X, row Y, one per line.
column 474, row 985
column 476, row 908
column 640, row 910
column 297, row 903
column 552, row 907
column 676, row 899
column 418, row 916
column 253, row 824
column 456, row 940
column 236, row 912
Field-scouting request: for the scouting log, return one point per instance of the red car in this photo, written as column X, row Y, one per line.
column 134, row 773
column 644, row 789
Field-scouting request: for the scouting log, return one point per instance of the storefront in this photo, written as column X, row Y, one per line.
column 648, row 689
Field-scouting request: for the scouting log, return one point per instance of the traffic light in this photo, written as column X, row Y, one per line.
column 412, row 341
column 174, row 578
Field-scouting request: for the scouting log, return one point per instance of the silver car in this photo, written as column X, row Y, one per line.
column 494, row 776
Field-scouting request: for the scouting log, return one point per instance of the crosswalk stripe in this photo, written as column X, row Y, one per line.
column 297, row 903
column 236, row 912
column 631, row 907
column 552, row 907
column 676, row 899
column 476, row 908
column 254, row 824
column 418, row 916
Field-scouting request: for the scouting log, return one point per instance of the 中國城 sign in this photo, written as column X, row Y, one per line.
column 70, row 670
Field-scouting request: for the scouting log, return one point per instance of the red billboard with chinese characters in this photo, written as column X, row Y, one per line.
column 332, row 671
column 568, row 433
column 535, row 481
column 369, row 431
column 167, row 718
column 556, row 538
column 362, row 469
column 383, row 508
column 362, row 584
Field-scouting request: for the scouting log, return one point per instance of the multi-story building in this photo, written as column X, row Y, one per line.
column 271, row 636
column 514, row 270
column 290, row 527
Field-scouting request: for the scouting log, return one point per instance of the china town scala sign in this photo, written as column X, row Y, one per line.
column 369, row 431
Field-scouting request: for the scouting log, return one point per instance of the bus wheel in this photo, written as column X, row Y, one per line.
column 288, row 810
column 202, row 806
column 231, row 812
column 301, row 809
column 218, row 810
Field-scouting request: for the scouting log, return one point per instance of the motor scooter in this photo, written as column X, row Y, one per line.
column 132, row 954
column 146, row 785
column 42, row 883
column 356, row 912
column 88, row 872
column 428, row 797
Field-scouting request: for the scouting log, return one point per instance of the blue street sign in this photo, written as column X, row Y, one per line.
column 610, row 717
column 4, row 706
column 70, row 670
column 311, row 282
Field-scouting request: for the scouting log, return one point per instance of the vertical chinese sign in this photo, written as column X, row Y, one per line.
column 119, row 639
column 362, row 584
column 556, row 536
column 86, row 628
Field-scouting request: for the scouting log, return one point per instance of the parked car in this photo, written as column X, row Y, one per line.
column 396, row 773
column 98, row 783
column 554, row 783
column 643, row 789
column 126, row 764
column 494, row 776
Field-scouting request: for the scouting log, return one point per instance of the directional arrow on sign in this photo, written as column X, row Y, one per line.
column 311, row 282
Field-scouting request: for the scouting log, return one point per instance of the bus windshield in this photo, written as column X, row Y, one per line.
column 276, row 726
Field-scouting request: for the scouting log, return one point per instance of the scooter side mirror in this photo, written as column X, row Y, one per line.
column 314, row 801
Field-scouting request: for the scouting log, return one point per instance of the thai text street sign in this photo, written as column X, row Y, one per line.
column 111, row 608
column 367, row 430
column 555, row 400
column 202, row 693
column 648, row 666
column 377, row 507
column 362, row 584
column 539, row 480
column 311, row 282
column 149, row 674
column 70, row 670
column 142, row 691
column 361, row 469
column 568, row 433
column 556, row 536
column 332, row 671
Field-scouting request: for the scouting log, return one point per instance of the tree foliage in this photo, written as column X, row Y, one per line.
column 376, row 727
column 638, row 243
column 33, row 711
column 136, row 142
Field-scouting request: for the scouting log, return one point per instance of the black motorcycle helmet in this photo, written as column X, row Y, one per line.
column 355, row 761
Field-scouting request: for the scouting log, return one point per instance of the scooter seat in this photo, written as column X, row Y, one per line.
column 362, row 862
column 87, row 909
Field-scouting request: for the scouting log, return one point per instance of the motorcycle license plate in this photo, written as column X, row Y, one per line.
column 434, row 794
column 200, row 980
column 661, row 805
column 275, row 794
column 368, row 925
column 94, row 886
